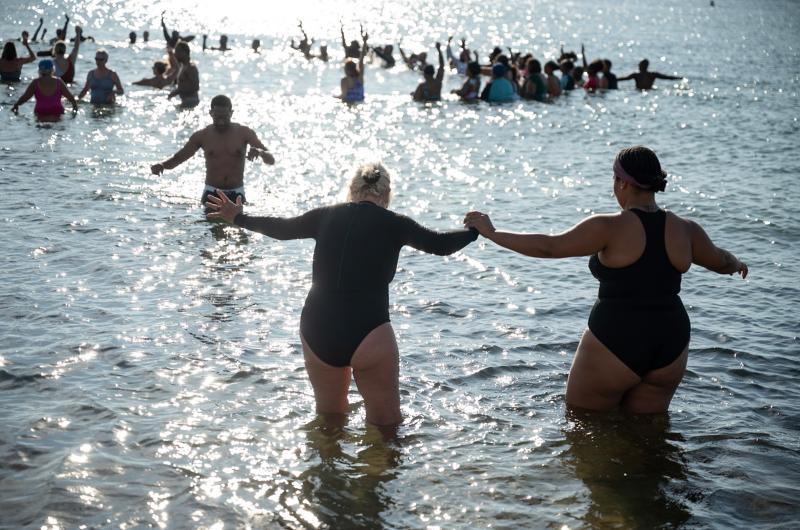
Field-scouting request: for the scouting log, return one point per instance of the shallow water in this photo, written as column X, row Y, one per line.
column 151, row 373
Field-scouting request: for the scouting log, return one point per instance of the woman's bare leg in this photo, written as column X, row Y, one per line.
column 330, row 383
column 655, row 391
column 598, row 380
column 376, row 368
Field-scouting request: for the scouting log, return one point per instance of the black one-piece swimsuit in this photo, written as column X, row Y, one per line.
column 638, row 314
column 355, row 259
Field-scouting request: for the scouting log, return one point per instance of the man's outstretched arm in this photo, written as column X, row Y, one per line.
column 184, row 154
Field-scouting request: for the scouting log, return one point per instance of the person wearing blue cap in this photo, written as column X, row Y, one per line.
column 499, row 89
column 48, row 91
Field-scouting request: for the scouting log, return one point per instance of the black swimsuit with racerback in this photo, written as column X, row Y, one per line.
column 638, row 314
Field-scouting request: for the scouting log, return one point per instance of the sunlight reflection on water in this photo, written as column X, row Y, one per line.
column 153, row 373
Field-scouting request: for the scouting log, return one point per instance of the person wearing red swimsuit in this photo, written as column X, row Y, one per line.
column 48, row 91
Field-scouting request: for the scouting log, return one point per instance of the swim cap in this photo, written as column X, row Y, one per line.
column 499, row 70
column 45, row 65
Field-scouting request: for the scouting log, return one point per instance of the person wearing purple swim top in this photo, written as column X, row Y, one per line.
column 633, row 354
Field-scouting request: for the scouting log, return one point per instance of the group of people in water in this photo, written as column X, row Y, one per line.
column 633, row 354
column 57, row 72
column 509, row 76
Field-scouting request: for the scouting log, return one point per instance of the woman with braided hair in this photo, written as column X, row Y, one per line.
column 344, row 326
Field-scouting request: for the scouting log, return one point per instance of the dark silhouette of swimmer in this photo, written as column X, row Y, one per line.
column 644, row 78
column 385, row 54
column 158, row 80
column 61, row 33
column 185, row 76
column 132, row 37
column 415, row 61
column 352, row 50
column 304, row 46
column 223, row 44
column 431, row 87
column 173, row 37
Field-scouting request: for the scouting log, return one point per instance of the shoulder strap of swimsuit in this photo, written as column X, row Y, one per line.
column 654, row 224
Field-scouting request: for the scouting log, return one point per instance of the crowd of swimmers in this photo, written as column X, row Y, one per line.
column 503, row 77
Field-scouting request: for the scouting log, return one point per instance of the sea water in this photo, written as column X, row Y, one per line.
column 151, row 372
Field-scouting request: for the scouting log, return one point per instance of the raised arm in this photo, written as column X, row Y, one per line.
column 708, row 255
column 364, row 37
column 66, row 23
column 36, row 33
column 167, row 36
column 450, row 56
column 440, row 71
column 587, row 237
column 583, row 57
column 31, row 54
column 344, row 42
column 282, row 228
column 184, row 154
column 305, row 36
column 405, row 57
column 73, row 55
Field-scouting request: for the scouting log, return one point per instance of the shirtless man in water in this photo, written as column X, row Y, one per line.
column 645, row 78
column 224, row 144
column 186, row 77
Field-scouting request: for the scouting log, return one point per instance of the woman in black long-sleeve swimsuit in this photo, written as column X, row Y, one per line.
column 345, row 321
